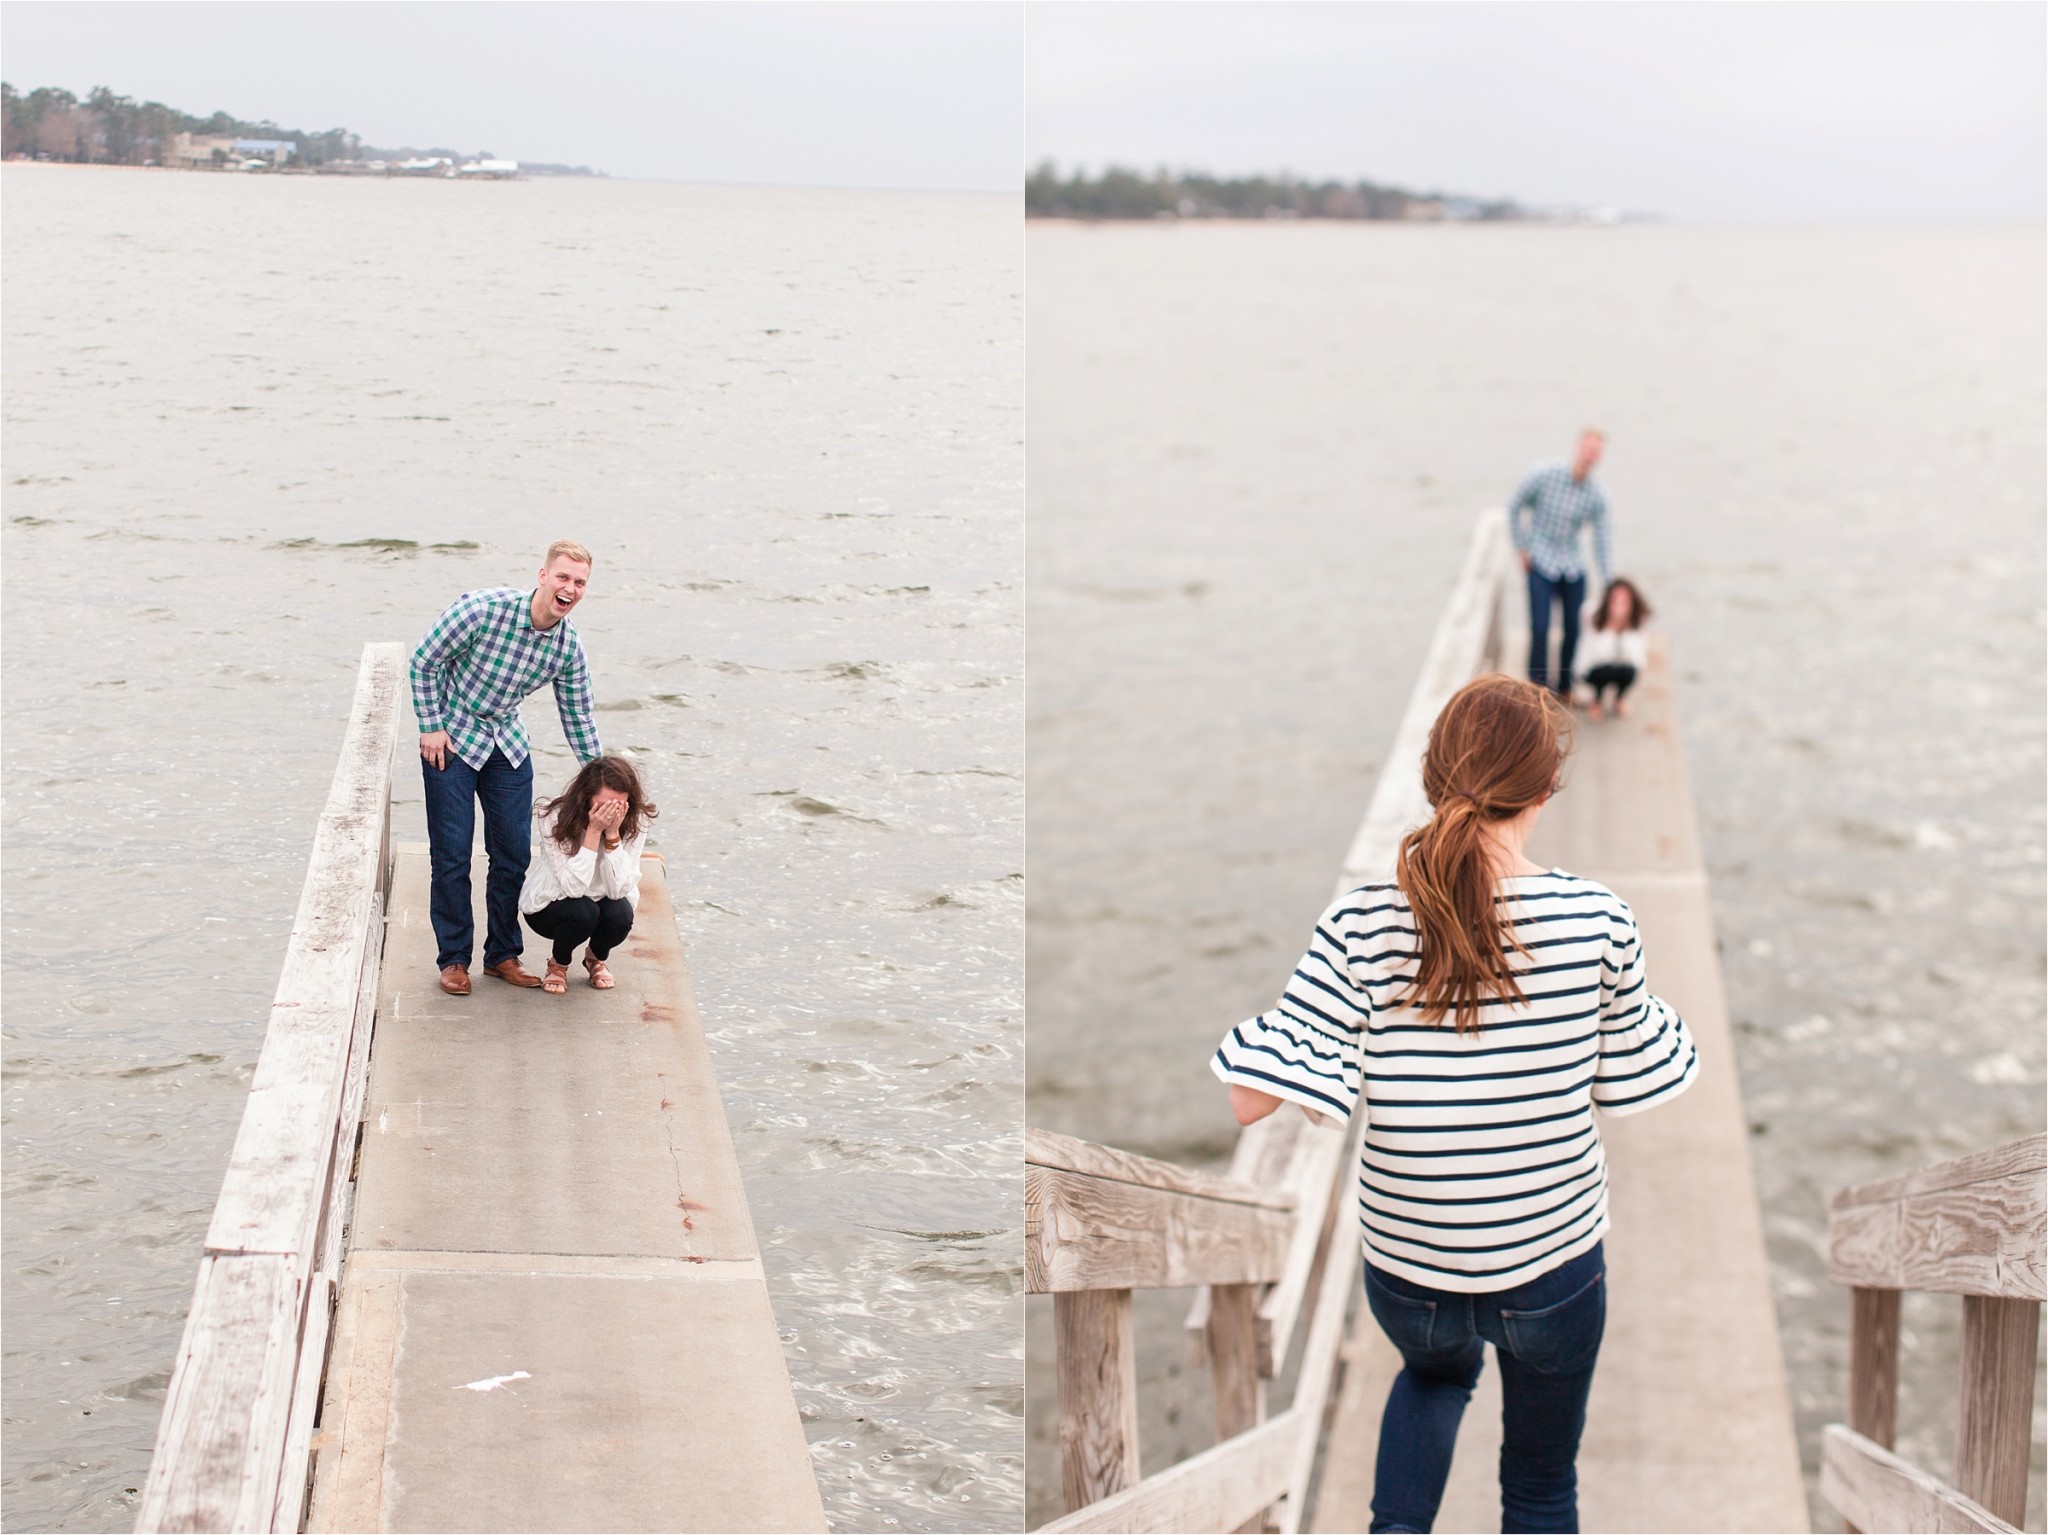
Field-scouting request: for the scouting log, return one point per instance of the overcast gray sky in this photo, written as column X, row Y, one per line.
column 1712, row 111
column 897, row 95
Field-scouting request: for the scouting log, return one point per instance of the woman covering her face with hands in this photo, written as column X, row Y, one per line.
column 584, row 881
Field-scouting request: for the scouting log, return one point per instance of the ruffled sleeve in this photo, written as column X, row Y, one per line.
column 1647, row 1056
column 1305, row 1048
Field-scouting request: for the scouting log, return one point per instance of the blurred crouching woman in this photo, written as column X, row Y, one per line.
column 1613, row 653
column 1478, row 1009
column 584, row 882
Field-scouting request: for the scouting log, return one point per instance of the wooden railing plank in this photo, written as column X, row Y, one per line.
column 1220, row 1489
column 1048, row 1148
column 220, row 1446
column 1995, row 1402
column 1083, row 1231
column 271, row 1198
column 1975, row 1226
column 1087, row 1233
column 1335, row 1288
column 1285, row 1302
column 1458, row 648
column 2026, row 1155
column 1098, row 1394
column 232, row 1444
column 1465, row 642
column 294, row 1455
column 1875, row 1490
column 293, row 1479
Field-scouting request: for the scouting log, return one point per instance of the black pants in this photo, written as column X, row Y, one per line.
column 569, row 922
column 1618, row 675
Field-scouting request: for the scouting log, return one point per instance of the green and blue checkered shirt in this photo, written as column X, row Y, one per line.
column 1559, row 506
column 481, row 659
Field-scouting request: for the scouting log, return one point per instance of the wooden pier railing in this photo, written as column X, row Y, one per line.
column 1974, row 1227
column 232, row 1448
column 1272, row 1243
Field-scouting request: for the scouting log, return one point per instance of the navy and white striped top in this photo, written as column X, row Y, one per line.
column 1482, row 1167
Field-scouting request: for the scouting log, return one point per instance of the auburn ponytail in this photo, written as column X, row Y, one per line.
column 1495, row 750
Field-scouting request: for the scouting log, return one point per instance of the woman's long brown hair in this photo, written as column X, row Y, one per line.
column 569, row 813
column 1496, row 749
column 1638, row 609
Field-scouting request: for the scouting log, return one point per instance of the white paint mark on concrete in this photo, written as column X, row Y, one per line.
column 494, row 1382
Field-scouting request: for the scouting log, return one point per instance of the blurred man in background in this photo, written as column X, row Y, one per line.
column 1555, row 503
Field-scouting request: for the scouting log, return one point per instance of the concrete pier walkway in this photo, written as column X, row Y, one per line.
column 552, row 1314
column 1690, row 1423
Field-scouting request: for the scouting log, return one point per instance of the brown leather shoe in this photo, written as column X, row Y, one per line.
column 455, row 980
column 508, row 970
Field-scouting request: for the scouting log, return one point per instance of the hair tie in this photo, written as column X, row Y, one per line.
column 1468, row 794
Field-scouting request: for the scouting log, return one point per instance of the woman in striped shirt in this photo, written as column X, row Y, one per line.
column 1478, row 1009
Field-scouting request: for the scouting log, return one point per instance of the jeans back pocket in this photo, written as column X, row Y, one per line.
column 1560, row 1337
column 1407, row 1322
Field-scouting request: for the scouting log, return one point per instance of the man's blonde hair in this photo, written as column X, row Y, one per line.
column 569, row 547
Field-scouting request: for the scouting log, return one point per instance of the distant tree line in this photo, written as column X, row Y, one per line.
column 1129, row 194
column 106, row 129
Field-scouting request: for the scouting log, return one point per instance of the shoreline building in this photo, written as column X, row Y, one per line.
column 219, row 151
column 198, row 151
column 274, row 151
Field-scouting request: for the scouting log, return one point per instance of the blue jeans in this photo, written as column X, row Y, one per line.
column 1570, row 592
column 1546, row 1335
column 453, row 792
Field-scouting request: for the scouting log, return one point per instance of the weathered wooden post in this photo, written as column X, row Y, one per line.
column 1974, row 1227
column 1995, row 1402
column 1237, row 1376
column 1873, row 1367
column 1234, row 1358
column 1098, row 1394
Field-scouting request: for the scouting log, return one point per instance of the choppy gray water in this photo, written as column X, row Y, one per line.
column 1255, row 457
column 251, row 424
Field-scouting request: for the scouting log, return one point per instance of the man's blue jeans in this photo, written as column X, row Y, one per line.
column 453, row 793
column 1570, row 592
column 1546, row 1335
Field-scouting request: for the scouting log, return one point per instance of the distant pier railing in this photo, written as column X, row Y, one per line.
column 1272, row 1243
column 233, row 1444
column 1975, row 1227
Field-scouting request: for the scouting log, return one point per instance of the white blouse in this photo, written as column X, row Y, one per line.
column 1611, row 647
column 554, row 874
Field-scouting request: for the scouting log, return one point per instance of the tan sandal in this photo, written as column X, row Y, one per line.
column 600, row 973
column 556, row 981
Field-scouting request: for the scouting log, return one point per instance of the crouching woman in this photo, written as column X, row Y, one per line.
column 584, row 881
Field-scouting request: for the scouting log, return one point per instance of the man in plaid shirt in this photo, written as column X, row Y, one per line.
column 1559, row 501
column 481, row 658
